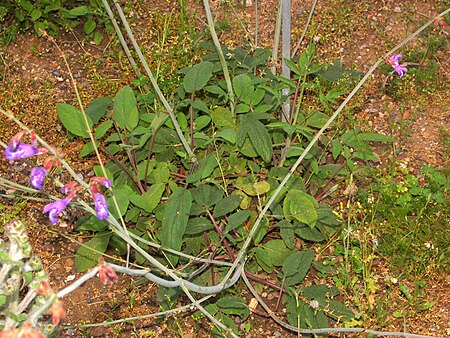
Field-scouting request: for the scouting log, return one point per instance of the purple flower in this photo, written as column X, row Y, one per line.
column 396, row 58
column 395, row 62
column 103, row 181
column 37, row 177
column 400, row 70
column 101, row 206
column 106, row 183
column 55, row 208
column 19, row 150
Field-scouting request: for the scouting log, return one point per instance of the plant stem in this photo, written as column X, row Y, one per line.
column 151, row 77
column 226, row 73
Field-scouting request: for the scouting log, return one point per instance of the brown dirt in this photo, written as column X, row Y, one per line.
column 34, row 80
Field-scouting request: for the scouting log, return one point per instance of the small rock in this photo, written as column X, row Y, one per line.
column 397, row 9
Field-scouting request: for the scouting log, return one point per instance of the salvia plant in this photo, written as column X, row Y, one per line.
column 213, row 188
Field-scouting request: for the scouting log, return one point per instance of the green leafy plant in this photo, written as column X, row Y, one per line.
column 205, row 210
column 50, row 16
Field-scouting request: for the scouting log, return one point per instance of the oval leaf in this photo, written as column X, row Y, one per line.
column 227, row 205
column 197, row 77
column 125, row 110
column 176, row 216
column 87, row 255
column 73, row 120
column 301, row 206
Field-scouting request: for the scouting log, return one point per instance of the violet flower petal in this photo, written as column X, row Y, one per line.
column 107, row 183
column 396, row 58
column 22, row 150
column 100, row 206
column 37, row 177
column 55, row 208
column 401, row 70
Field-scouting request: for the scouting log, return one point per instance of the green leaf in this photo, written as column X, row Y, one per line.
column 317, row 119
column 215, row 90
column 197, row 77
column 198, row 225
column 256, row 188
column 314, row 319
column 125, row 110
column 98, row 171
column 101, row 130
column 257, row 96
column 161, row 174
column 259, row 137
column 122, row 195
column 73, row 120
column 227, row 134
column 301, row 206
column 97, row 108
column 234, row 306
column 237, row 219
column 242, row 85
column 90, row 223
column 320, row 292
column 3, row 300
column 375, row 137
column 327, row 216
column 273, row 253
column 310, row 234
column 206, row 167
column 201, row 122
column 35, row 14
column 296, row 266
column 222, row 117
column 338, row 311
column 293, row 66
column 261, row 232
column 88, row 148
column 87, row 256
column 98, row 37
column 334, row 72
column 176, row 216
column 89, row 26
column 207, row 195
column 200, row 105
column 26, row 5
column 150, row 199
column 77, row 11
column 227, row 205
column 287, row 233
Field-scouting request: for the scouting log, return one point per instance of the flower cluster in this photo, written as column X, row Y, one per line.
column 394, row 61
column 17, row 150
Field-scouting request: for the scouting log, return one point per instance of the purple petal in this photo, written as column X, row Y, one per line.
column 107, row 183
column 22, row 150
column 396, row 58
column 55, row 208
column 37, row 177
column 401, row 70
column 100, row 206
